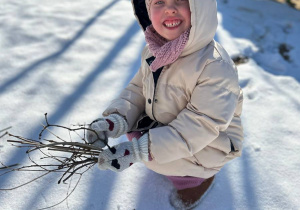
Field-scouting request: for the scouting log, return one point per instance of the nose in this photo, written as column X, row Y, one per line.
column 171, row 9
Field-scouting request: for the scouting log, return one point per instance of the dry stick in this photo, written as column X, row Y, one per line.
column 73, row 172
column 69, row 186
column 72, row 166
column 41, row 166
column 40, row 145
column 85, row 163
column 23, row 168
column 48, row 171
column 83, row 155
column 5, row 129
column 67, row 160
column 71, row 150
column 64, row 164
column 54, row 170
column 51, row 156
column 46, row 128
column 82, row 138
column 66, row 196
column 7, row 167
column 75, row 148
column 38, row 165
column 48, row 156
column 66, row 144
column 59, row 126
column 54, row 157
column 26, row 182
column 68, row 171
column 59, row 143
column 3, row 135
column 74, row 130
column 24, row 139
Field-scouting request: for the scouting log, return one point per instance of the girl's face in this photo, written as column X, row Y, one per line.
column 170, row 18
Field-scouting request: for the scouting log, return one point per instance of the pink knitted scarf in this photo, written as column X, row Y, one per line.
column 164, row 51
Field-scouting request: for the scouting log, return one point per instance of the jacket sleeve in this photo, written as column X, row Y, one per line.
column 210, row 110
column 131, row 102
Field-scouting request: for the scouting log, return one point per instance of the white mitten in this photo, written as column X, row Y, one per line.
column 111, row 126
column 125, row 154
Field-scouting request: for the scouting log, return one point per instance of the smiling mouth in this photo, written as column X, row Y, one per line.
column 172, row 23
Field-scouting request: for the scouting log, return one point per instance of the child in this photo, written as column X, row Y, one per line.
column 181, row 111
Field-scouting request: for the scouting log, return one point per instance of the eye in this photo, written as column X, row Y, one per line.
column 159, row 2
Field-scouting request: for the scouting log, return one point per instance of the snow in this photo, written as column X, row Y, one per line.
column 70, row 58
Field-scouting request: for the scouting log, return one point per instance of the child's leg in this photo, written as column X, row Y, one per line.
column 179, row 182
column 185, row 182
column 189, row 191
column 135, row 134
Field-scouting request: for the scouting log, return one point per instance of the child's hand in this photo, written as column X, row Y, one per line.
column 112, row 126
column 125, row 154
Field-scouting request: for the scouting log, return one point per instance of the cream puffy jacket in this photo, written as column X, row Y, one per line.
column 197, row 99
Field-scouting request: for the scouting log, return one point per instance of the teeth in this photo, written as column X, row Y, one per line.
column 173, row 24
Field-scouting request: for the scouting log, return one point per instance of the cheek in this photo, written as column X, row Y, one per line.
column 187, row 15
column 155, row 18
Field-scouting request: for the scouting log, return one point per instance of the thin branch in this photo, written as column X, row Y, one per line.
column 46, row 128
column 5, row 129
column 80, row 167
column 73, row 130
column 3, row 134
column 68, row 195
column 26, row 182
column 67, row 157
column 7, row 167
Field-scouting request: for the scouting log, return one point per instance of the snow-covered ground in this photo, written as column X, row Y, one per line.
column 70, row 58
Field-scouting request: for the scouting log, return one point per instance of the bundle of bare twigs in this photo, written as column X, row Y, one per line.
column 64, row 156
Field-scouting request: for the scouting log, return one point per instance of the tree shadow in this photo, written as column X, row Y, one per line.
column 56, row 55
column 251, row 184
column 95, row 186
column 245, row 17
column 249, row 179
column 82, row 88
column 158, row 190
column 100, row 189
column 257, row 34
column 69, row 102
column 154, row 192
column 135, row 66
column 221, row 191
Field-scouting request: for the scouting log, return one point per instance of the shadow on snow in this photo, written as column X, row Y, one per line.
column 56, row 55
column 72, row 99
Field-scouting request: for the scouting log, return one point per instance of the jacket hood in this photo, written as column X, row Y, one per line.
column 203, row 19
